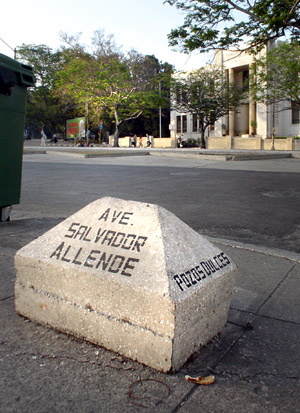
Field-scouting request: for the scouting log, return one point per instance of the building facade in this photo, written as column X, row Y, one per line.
column 250, row 118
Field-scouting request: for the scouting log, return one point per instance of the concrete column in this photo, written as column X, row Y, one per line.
column 289, row 144
column 258, row 142
column 231, row 113
column 229, row 142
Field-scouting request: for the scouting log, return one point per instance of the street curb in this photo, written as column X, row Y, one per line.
column 94, row 154
column 274, row 252
column 226, row 156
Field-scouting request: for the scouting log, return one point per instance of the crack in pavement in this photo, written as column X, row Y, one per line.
column 212, row 368
column 35, row 356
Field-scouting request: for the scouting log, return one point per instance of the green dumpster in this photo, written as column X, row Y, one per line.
column 14, row 80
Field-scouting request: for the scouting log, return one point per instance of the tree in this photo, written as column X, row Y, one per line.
column 44, row 61
column 107, row 80
column 206, row 94
column 219, row 24
column 156, row 77
column 44, row 107
column 276, row 77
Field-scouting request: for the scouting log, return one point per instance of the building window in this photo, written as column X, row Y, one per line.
column 184, row 96
column 178, row 124
column 245, row 80
column 295, row 113
column 195, row 123
column 184, row 123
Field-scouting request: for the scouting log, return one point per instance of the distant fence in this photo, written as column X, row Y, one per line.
column 255, row 143
column 126, row 141
column 225, row 142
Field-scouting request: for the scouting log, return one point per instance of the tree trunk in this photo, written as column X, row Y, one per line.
column 117, row 131
column 116, row 137
column 202, row 140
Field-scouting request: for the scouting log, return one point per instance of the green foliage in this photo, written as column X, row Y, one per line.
column 155, row 76
column 102, row 82
column 44, row 61
column 276, row 76
column 44, row 106
column 286, row 137
column 216, row 24
column 120, row 85
column 191, row 143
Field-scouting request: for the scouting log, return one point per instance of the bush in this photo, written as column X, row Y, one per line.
column 191, row 143
column 285, row 137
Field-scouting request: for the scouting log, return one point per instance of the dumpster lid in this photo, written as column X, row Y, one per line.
column 26, row 76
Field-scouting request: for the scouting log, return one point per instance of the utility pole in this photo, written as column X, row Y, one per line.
column 159, row 86
column 273, row 129
column 159, row 91
column 14, row 50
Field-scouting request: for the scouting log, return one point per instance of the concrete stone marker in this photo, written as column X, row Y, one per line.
column 128, row 276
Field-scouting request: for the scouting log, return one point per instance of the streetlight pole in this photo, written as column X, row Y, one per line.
column 273, row 146
column 273, row 129
column 159, row 85
column 159, row 91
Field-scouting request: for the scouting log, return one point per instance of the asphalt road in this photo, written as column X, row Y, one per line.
column 255, row 359
column 256, row 202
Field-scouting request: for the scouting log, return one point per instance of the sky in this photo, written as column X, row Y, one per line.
column 139, row 24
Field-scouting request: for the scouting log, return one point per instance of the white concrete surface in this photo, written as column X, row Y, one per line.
column 129, row 276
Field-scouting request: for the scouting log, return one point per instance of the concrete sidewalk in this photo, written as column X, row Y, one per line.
column 65, row 149
column 255, row 360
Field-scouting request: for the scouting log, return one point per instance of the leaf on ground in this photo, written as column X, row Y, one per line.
column 204, row 381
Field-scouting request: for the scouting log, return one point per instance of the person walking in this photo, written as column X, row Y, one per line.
column 88, row 137
column 43, row 137
column 133, row 142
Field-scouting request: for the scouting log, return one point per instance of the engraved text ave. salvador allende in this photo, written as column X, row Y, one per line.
column 99, row 258
column 117, row 263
